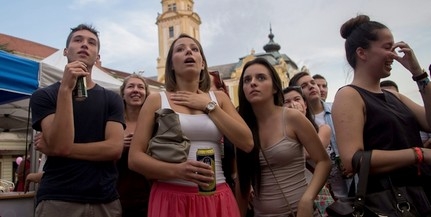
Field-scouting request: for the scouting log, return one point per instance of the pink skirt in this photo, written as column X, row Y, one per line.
column 167, row 200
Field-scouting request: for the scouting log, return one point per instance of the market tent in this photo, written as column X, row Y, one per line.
column 18, row 80
column 18, row 77
column 51, row 70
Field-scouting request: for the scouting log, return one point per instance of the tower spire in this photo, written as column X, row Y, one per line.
column 271, row 46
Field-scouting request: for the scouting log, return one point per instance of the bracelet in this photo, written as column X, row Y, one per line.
column 422, row 84
column 419, row 158
column 421, row 76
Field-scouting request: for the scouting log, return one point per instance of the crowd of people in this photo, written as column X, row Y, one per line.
column 283, row 151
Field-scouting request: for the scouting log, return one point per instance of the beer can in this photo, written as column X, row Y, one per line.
column 206, row 155
column 80, row 90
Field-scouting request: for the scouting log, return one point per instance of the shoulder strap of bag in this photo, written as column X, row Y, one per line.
column 279, row 186
column 273, row 174
column 361, row 161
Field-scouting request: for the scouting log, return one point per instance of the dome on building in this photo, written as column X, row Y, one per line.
column 272, row 54
column 271, row 46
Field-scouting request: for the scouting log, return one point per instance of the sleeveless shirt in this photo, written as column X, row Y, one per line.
column 390, row 125
column 287, row 160
column 203, row 133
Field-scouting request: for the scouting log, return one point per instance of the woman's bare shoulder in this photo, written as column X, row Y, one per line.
column 153, row 102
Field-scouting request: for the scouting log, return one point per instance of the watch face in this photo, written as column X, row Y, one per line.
column 211, row 106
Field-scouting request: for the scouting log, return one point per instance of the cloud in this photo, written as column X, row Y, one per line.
column 83, row 3
column 129, row 43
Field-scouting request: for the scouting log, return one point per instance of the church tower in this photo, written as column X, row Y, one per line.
column 177, row 17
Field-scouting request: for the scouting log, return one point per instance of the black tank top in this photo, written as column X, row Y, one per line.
column 390, row 125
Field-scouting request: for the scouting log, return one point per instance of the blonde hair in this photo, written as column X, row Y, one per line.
column 147, row 91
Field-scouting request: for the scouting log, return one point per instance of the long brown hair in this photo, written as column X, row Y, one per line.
column 249, row 170
column 170, row 79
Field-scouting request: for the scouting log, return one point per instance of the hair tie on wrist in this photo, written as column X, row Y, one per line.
column 419, row 158
column 422, row 84
column 421, row 76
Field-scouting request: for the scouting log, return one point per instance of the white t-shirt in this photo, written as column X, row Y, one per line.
column 320, row 118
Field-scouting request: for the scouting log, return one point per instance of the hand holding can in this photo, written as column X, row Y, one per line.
column 80, row 91
column 207, row 156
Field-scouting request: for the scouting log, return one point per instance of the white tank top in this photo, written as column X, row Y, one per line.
column 203, row 133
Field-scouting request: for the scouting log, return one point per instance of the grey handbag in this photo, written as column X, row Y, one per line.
column 168, row 142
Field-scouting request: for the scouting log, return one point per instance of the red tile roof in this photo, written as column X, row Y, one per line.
column 26, row 48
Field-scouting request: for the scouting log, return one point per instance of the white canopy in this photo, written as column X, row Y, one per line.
column 14, row 115
column 51, row 71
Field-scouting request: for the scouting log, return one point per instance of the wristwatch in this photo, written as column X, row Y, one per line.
column 210, row 107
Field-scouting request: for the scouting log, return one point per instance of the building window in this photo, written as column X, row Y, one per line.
column 171, row 31
column 172, row 7
column 189, row 8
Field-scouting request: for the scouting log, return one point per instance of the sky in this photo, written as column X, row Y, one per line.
column 307, row 31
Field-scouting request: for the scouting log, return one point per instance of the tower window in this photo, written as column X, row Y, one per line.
column 172, row 7
column 171, row 31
